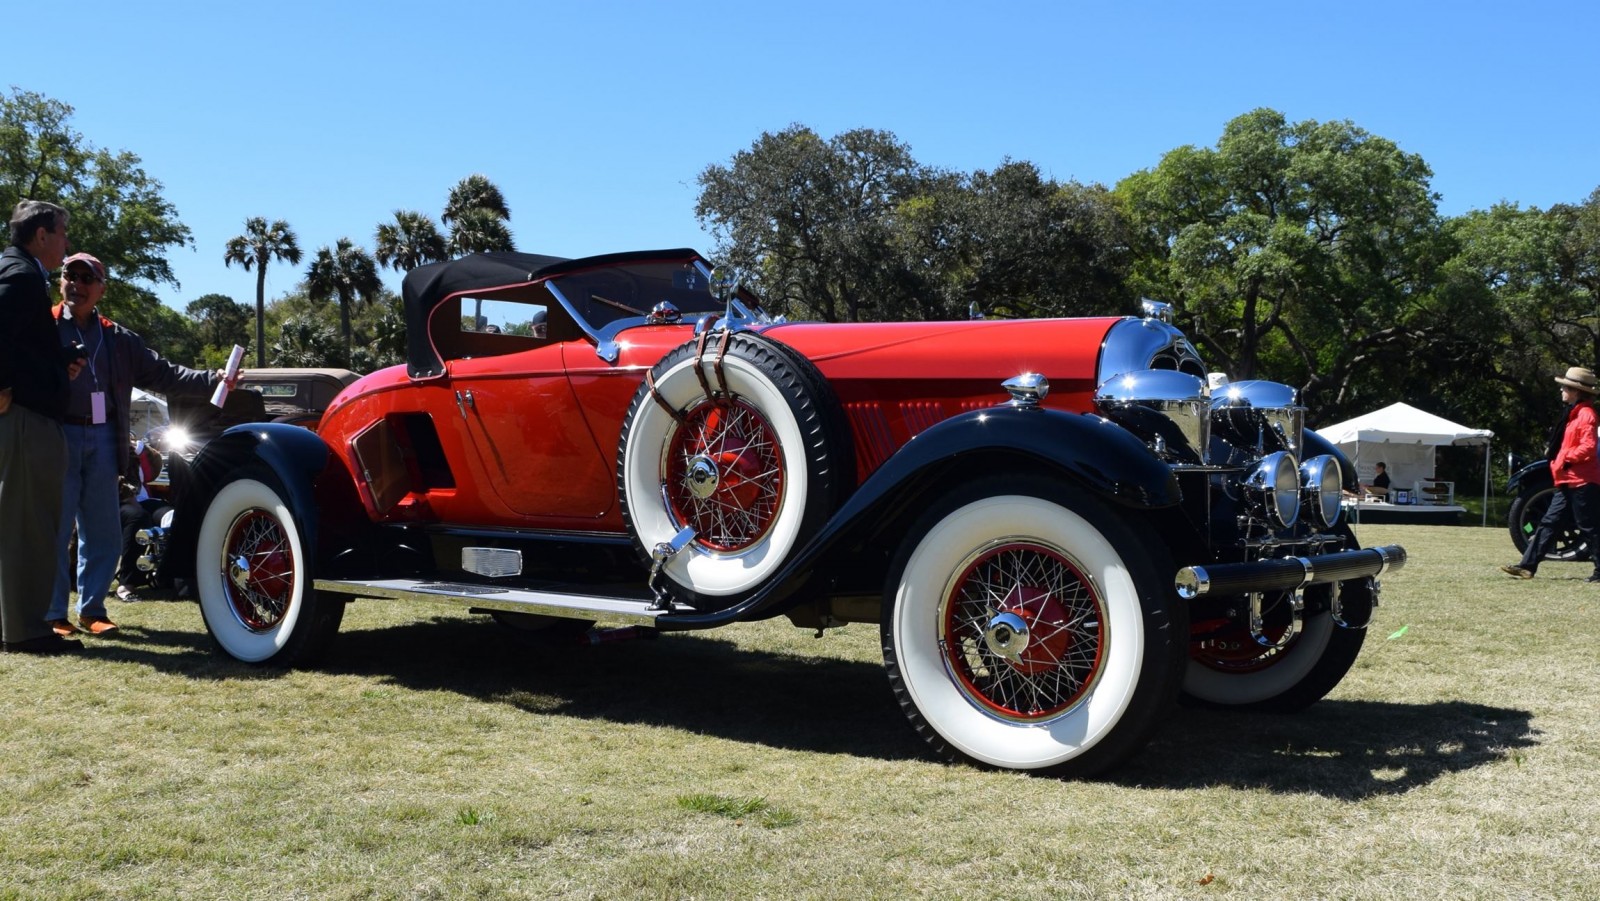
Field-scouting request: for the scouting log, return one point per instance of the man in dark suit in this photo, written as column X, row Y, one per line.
column 33, row 397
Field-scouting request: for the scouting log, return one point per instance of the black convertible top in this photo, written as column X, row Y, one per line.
column 427, row 286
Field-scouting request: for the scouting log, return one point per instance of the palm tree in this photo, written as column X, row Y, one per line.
column 348, row 273
column 479, row 229
column 475, row 192
column 411, row 240
column 260, row 244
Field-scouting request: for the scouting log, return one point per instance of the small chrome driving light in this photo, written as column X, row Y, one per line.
column 1027, row 389
column 1274, row 486
column 1321, row 477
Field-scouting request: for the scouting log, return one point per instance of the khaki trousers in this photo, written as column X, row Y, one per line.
column 32, row 454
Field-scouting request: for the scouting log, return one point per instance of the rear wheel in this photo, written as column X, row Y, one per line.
column 253, row 575
column 1027, row 628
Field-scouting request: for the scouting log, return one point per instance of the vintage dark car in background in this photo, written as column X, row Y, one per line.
column 1530, row 487
column 1056, row 525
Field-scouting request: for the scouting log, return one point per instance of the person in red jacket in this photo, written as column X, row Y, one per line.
column 1576, row 469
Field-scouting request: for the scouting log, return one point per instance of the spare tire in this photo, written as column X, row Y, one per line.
column 742, row 440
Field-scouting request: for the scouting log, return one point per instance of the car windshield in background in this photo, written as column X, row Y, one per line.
column 602, row 296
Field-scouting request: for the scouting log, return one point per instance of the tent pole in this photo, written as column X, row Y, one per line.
column 1486, row 446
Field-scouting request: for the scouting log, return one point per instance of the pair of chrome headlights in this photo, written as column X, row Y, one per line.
column 1278, row 487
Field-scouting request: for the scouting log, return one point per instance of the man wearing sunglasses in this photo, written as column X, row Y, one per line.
column 116, row 361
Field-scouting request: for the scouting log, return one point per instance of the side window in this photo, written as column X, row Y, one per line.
column 485, row 316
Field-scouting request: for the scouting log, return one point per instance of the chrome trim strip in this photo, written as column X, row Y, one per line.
column 1311, row 572
column 519, row 600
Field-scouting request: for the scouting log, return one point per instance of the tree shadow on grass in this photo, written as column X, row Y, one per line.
column 709, row 685
column 1349, row 750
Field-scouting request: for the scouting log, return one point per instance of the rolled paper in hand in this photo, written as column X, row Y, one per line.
column 231, row 372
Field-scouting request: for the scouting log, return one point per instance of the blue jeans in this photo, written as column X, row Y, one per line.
column 92, row 499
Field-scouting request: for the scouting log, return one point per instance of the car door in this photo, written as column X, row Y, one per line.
column 525, row 424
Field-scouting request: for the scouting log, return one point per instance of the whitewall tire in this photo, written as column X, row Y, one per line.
column 253, row 576
column 1025, row 629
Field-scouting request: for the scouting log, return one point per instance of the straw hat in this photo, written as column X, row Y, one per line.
column 1579, row 378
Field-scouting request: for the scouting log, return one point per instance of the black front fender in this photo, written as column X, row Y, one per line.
column 294, row 455
column 1095, row 454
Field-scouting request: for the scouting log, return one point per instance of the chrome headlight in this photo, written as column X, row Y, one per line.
column 1321, row 477
column 1274, row 488
column 1252, row 412
column 1169, row 410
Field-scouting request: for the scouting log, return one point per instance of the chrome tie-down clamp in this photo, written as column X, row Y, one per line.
column 659, row 555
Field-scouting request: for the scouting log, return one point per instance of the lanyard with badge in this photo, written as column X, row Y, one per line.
column 97, row 397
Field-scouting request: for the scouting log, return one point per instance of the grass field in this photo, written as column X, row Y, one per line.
column 432, row 757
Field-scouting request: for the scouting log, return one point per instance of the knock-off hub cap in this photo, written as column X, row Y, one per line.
column 1007, row 636
column 701, row 476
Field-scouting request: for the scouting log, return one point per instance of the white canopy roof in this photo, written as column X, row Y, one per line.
column 1403, row 424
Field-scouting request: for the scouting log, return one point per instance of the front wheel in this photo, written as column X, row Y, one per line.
column 1229, row 668
column 1528, row 509
column 1027, row 628
column 253, row 575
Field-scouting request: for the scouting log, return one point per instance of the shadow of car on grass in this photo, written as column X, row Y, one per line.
column 1345, row 749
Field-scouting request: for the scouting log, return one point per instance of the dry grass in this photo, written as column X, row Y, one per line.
column 432, row 758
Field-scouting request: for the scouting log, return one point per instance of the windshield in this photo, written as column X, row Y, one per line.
column 603, row 296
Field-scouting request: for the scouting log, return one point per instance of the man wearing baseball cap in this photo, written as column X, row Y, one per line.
column 1576, row 470
column 96, row 426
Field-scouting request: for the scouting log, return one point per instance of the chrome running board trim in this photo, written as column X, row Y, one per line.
column 632, row 611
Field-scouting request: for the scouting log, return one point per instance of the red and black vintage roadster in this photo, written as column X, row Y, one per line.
column 1057, row 525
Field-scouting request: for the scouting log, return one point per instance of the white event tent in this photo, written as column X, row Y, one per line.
column 147, row 411
column 1404, row 438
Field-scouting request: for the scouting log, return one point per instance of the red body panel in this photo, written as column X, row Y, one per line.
column 531, row 438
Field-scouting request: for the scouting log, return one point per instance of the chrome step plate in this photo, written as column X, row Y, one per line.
column 634, row 611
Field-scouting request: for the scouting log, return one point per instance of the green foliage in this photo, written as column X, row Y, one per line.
column 854, row 228
column 477, row 214
column 408, row 242
column 739, row 809
column 477, row 231
column 219, row 321
column 475, row 192
column 307, row 333
column 1302, row 251
column 117, row 211
column 260, row 244
column 348, row 273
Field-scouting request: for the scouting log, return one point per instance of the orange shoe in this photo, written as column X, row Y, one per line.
column 63, row 628
column 96, row 625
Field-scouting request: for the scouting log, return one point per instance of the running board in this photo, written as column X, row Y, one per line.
column 631, row 610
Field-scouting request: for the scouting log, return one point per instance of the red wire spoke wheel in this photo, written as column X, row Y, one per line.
column 724, row 474
column 1024, row 632
column 260, row 567
column 741, row 440
column 254, row 576
column 1028, row 627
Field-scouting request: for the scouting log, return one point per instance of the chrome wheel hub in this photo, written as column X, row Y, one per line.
column 239, row 572
column 702, row 476
column 1007, row 636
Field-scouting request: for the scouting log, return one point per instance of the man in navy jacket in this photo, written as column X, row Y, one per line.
column 34, row 377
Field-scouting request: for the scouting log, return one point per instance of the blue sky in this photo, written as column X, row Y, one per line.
column 595, row 118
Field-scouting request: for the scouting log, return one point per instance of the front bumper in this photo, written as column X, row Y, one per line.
column 1286, row 573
